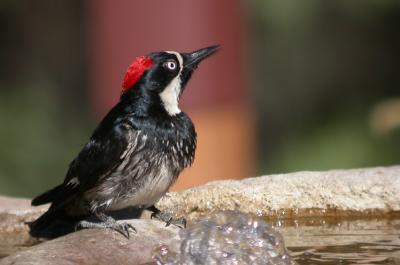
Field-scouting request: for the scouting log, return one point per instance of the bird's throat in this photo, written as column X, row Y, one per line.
column 170, row 96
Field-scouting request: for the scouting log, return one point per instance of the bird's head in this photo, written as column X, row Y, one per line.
column 164, row 75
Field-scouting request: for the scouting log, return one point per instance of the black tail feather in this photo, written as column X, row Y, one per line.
column 48, row 196
column 55, row 220
column 45, row 220
column 53, row 223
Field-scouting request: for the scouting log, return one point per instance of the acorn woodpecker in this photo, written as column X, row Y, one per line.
column 137, row 151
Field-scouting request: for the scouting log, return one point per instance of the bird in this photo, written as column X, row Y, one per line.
column 136, row 152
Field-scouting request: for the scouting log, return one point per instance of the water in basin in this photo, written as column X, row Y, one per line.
column 222, row 239
column 353, row 241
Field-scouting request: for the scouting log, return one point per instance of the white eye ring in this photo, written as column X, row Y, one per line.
column 171, row 65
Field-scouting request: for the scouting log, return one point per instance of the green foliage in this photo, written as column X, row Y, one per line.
column 321, row 66
column 344, row 142
column 37, row 140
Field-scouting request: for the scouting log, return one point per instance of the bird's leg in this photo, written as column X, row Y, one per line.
column 167, row 218
column 110, row 222
column 107, row 221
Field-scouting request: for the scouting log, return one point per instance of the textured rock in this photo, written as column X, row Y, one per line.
column 98, row 246
column 327, row 193
column 14, row 233
column 330, row 193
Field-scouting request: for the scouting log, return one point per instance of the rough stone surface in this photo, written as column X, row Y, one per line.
column 14, row 233
column 98, row 246
column 330, row 193
column 335, row 192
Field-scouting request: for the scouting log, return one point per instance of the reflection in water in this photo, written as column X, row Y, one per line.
column 358, row 253
column 338, row 241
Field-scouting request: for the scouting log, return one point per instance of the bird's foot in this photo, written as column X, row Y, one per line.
column 107, row 222
column 169, row 219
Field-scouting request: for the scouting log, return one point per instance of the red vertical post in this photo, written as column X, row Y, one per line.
column 216, row 97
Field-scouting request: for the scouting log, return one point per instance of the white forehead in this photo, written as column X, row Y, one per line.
column 179, row 56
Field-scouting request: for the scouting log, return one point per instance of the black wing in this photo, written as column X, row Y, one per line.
column 100, row 155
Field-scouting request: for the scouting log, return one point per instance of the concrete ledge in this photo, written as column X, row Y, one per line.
column 326, row 193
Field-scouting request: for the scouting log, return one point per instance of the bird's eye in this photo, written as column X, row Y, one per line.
column 170, row 65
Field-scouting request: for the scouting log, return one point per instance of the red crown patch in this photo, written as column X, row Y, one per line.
column 135, row 71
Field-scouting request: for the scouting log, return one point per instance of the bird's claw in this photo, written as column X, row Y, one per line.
column 168, row 222
column 123, row 229
column 169, row 219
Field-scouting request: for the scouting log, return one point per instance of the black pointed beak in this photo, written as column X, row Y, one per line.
column 193, row 59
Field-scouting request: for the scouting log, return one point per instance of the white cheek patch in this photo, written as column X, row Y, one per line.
column 170, row 95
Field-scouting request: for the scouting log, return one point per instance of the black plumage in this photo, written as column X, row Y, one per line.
column 136, row 152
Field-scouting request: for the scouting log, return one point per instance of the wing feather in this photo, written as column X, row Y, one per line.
column 104, row 152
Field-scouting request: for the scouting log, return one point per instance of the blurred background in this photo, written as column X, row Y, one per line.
column 298, row 85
